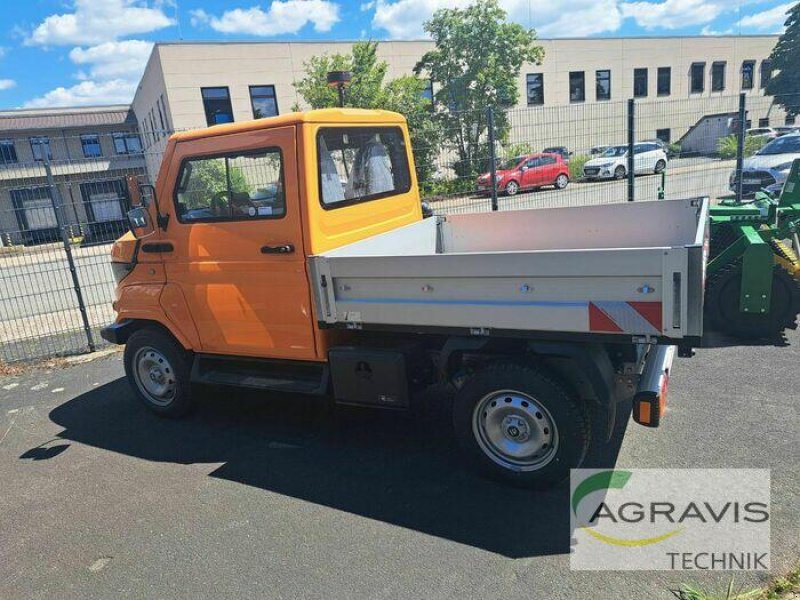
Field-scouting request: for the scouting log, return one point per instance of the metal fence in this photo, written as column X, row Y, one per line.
column 58, row 217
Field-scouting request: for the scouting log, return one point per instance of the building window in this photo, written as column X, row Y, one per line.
column 535, row 87
column 262, row 98
column 41, row 148
column 217, row 104
column 164, row 108
column 766, row 73
column 427, row 92
column 127, row 143
column 161, row 117
column 789, row 120
column 640, row 83
column 717, row 76
column 748, row 67
column 91, row 146
column 697, row 76
column 763, row 122
column 664, row 81
column 603, row 85
column 577, row 86
column 664, row 135
column 8, row 153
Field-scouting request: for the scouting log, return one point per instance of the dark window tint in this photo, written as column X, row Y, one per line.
column 8, row 153
column 748, row 67
column 664, row 135
column 603, row 85
column 548, row 160
column 358, row 164
column 717, row 76
column 763, row 122
column 790, row 120
column 127, row 143
column 231, row 188
column 40, row 146
column 664, row 81
column 697, row 78
column 639, row 83
column 535, row 87
column 91, row 146
column 766, row 73
column 263, row 101
column 217, row 104
column 577, row 86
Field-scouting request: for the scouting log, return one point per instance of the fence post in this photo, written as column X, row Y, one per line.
column 58, row 208
column 492, row 161
column 740, row 135
column 631, row 135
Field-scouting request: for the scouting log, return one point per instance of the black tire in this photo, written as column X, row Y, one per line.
column 620, row 172
column 722, row 304
column 512, row 187
column 570, row 435
column 170, row 370
column 661, row 166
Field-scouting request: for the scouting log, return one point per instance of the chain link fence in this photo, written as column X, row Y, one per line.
column 58, row 217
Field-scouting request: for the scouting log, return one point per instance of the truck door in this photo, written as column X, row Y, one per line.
column 238, row 253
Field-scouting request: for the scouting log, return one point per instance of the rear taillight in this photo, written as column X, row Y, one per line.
column 121, row 270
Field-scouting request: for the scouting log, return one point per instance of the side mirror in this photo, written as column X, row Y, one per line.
column 523, row 168
column 427, row 211
column 140, row 223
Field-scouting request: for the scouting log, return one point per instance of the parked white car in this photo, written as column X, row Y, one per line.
column 765, row 132
column 769, row 166
column 648, row 157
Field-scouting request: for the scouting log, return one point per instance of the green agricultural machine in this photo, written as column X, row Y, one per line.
column 753, row 273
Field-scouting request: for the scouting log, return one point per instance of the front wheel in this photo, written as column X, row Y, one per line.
column 517, row 425
column 561, row 181
column 619, row 172
column 661, row 166
column 158, row 370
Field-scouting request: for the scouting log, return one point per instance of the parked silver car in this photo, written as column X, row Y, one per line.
column 769, row 166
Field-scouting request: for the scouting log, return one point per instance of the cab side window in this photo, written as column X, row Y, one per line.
column 231, row 187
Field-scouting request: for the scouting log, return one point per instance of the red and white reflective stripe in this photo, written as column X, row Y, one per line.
column 640, row 318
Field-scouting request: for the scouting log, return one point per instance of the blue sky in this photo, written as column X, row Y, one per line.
column 82, row 52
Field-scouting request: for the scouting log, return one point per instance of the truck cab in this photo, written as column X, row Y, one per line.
column 242, row 261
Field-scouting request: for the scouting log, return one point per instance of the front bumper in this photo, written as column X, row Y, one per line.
column 598, row 173
column 117, row 333
column 754, row 180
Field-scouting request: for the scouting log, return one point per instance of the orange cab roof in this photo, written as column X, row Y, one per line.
column 323, row 115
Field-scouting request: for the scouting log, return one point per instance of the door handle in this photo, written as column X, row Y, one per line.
column 282, row 249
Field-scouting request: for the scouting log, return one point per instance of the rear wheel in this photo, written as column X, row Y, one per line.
column 517, row 425
column 512, row 187
column 561, row 181
column 619, row 172
column 722, row 302
column 157, row 368
column 661, row 166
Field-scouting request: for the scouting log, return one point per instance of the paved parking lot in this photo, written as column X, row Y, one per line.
column 275, row 497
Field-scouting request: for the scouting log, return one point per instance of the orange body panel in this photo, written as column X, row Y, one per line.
column 216, row 291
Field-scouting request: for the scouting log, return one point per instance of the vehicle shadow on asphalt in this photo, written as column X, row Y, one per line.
column 400, row 469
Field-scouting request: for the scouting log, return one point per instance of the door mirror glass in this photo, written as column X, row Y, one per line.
column 140, row 223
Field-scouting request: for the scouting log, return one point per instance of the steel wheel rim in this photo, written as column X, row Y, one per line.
column 515, row 431
column 561, row 181
column 154, row 376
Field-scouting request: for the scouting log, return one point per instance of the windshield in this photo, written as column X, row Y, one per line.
column 788, row 144
column 510, row 163
column 615, row 151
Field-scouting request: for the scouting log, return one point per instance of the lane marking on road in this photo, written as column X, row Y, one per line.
column 39, row 386
column 56, row 390
column 100, row 564
column 10, row 386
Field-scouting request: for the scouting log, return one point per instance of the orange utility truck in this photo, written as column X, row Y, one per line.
column 290, row 254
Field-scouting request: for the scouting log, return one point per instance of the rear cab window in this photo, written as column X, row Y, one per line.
column 359, row 164
column 231, row 187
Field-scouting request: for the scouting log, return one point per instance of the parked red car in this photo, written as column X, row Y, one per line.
column 526, row 173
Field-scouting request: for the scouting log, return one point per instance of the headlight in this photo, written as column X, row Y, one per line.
column 783, row 166
column 498, row 178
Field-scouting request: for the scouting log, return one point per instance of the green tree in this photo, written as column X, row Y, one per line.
column 369, row 89
column 785, row 59
column 476, row 63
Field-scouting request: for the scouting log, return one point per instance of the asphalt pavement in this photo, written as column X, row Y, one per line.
column 282, row 497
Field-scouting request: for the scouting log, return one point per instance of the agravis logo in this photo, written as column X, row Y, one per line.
column 670, row 519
